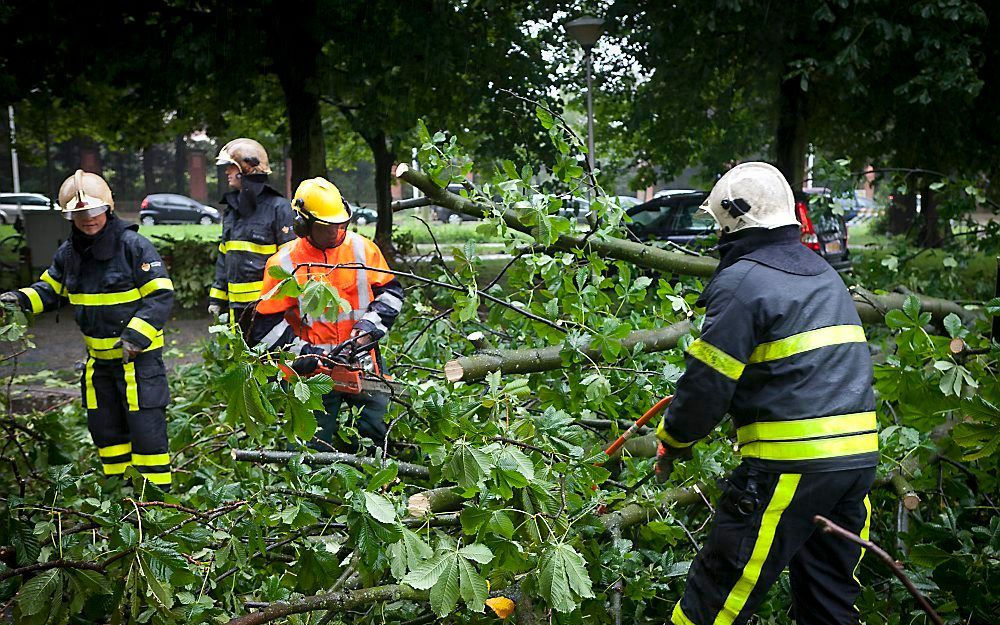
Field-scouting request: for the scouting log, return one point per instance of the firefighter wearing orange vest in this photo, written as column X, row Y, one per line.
column 375, row 297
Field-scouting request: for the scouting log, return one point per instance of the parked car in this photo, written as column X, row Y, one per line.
column 362, row 215
column 628, row 201
column 13, row 204
column 172, row 208
column 677, row 218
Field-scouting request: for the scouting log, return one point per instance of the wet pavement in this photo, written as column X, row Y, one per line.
column 59, row 344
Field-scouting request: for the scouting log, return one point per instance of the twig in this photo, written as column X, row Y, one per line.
column 830, row 527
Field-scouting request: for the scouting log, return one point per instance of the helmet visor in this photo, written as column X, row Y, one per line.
column 85, row 212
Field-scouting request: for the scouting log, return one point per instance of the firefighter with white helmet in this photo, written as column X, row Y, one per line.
column 783, row 352
column 375, row 298
column 122, row 298
column 256, row 221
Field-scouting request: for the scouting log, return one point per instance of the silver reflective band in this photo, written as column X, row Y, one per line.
column 86, row 213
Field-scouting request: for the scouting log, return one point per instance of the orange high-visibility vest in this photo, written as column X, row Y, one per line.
column 354, row 285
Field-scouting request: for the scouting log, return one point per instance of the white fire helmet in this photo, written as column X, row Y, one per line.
column 751, row 195
column 85, row 193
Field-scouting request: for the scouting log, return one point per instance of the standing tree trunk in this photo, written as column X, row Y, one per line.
column 791, row 138
column 902, row 212
column 148, row 173
column 307, row 150
column 384, row 159
column 932, row 230
column 180, row 164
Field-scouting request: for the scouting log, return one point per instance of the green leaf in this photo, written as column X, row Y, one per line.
column 993, row 306
column 544, row 117
column 953, row 324
column 476, row 552
column 445, row 593
column 509, row 168
column 383, row 477
column 472, row 586
column 562, row 577
column 897, row 320
column 428, row 573
column 408, row 553
column 380, row 508
column 38, row 592
column 468, row 466
column 911, row 306
column 928, row 555
column 303, row 422
column 301, row 391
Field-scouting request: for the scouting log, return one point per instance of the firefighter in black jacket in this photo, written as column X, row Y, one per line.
column 122, row 297
column 257, row 220
column 783, row 352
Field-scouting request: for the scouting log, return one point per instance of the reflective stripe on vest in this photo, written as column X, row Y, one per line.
column 813, row 449
column 715, row 358
column 836, row 425
column 243, row 292
column 104, row 349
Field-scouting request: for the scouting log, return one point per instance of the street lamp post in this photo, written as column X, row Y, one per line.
column 586, row 31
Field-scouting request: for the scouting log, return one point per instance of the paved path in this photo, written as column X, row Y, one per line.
column 59, row 344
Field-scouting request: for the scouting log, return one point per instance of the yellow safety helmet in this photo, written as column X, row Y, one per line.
column 318, row 199
column 247, row 154
column 84, row 191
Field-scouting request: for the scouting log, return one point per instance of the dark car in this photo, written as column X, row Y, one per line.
column 171, row 208
column 362, row 215
column 677, row 218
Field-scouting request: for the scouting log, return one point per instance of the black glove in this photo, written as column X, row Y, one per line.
column 308, row 360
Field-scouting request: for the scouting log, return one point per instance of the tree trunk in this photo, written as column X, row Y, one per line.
column 384, row 160
column 148, row 173
column 180, row 164
column 791, row 138
column 932, row 230
column 902, row 213
column 307, row 151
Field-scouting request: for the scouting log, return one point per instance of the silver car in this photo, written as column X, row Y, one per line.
column 14, row 204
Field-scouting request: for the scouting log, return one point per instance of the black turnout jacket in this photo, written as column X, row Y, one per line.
column 117, row 283
column 782, row 350
column 256, row 221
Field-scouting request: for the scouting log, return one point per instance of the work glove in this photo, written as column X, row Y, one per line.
column 10, row 297
column 308, row 361
column 665, row 458
column 129, row 350
column 214, row 310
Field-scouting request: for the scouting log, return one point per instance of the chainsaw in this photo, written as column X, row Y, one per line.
column 351, row 369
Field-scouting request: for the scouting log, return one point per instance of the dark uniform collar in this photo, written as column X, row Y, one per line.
column 245, row 200
column 104, row 244
column 778, row 248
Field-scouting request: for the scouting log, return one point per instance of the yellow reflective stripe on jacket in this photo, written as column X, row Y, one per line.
column 34, row 298
column 716, row 359
column 836, row 425
column 121, row 297
column 52, row 282
column 663, row 435
column 806, row 341
column 150, row 460
column 114, row 450
column 215, row 293
column 248, row 246
column 104, row 349
column 144, row 328
column 156, row 284
column 811, row 449
column 131, row 387
column 245, row 291
column 738, row 596
column 104, row 299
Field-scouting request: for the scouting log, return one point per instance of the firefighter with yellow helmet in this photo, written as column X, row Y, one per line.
column 122, row 299
column 375, row 298
column 256, row 221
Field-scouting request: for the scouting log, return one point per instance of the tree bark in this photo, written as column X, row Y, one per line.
column 308, row 150
column 444, row 499
column 547, row 358
column 932, row 230
column 384, row 159
column 181, row 164
column 902, row 212
column 148, row 172
column 339, row 601
column 791, row 138
column 263, row 456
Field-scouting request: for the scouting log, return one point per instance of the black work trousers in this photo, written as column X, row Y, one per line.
column 370, row 424
column 126, row 415
column 763, row 524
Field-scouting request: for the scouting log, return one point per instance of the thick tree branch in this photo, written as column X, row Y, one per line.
column 339, row 601
column 262, row 456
